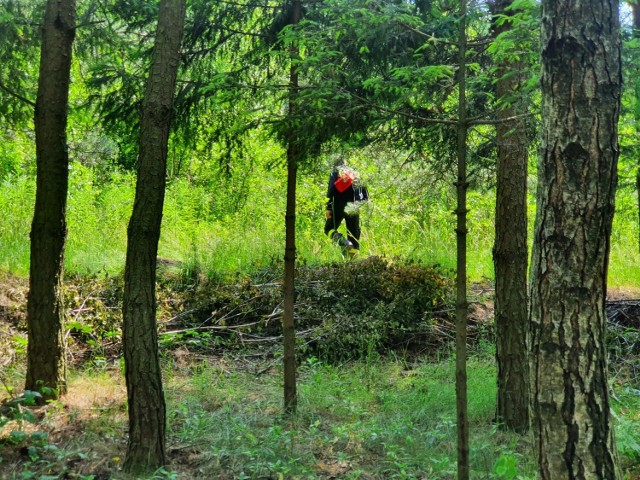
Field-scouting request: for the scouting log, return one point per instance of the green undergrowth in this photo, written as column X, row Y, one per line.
column 369, row 419
column 375, row 418
column 372, row 419
column 343, row 311
column 376, row 381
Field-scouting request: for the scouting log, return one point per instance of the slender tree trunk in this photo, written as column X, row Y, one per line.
column 510, row 249
column 638, row 202
column 288, row 320
column 146, row 447
column 636, row 32
column 575, row 203
column 461, row 257
column 288, row 323
column 46, row 361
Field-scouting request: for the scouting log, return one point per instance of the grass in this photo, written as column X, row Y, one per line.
column 374, row 419
column 383, row 417
column 213, row 230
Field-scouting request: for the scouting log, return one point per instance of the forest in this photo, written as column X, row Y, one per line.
column 319, row 239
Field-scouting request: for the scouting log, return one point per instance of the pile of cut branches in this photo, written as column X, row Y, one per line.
column 343, row 310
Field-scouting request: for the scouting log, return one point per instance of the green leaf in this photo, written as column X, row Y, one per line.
column 506, row 466
column 29, row 397
column 17, row 436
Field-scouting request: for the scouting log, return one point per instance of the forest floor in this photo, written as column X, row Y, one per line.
column 223, row 396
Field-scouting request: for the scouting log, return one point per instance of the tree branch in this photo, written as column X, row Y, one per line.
column 91, row 22
column 16, row 95
column 478, row 121
column 432, row 38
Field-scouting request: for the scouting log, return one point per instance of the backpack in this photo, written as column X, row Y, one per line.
column 345, row 179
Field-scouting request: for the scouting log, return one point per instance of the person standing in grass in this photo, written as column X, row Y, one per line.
column 346, row 194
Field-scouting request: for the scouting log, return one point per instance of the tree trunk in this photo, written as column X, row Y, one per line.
column 636, row 33
column 575, row 204
column 461, row 254
column 46, row 362
column 288, row 322
column 288, row 319
column 146, row 447
column 510, row 256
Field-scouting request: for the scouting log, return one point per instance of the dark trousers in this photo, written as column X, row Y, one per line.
column 352, row 222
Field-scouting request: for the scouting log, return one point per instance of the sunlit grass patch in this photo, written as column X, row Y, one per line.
column 624, row 265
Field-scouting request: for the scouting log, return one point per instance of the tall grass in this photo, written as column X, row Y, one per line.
column 624, row 266
column 223, row 227
column 17, row 198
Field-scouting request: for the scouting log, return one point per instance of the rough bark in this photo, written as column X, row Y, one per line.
column 46, row 361
column 288, row 320
column 575, row 203
column 147, row 420
column 510, row 255
column 461, row 254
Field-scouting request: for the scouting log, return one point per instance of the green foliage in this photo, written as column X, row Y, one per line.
column 373, row 306
column 347, row 311
column 365, row 419
column 17, row 154
column 626, row 412
column 17, row 197
column 16, row 411
column 97, row 215
column 42, row 458
column 624, row 267
column 19, row 60
column 94, row 305
column 506, row 467
column 518, row 45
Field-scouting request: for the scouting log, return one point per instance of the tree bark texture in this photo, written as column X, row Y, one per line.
column 510, row 251
column 462, row 415
column 581, row 79
column 288, row 317
column 46, row 356
column 147, row 419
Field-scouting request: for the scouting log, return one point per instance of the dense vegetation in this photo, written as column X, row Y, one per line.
column 375, row 84
column 377, row 396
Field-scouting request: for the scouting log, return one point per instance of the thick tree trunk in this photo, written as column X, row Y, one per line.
column 146, row 447
column 575, row 203
column 461, row 254
column 46, row 362
column 510, row 256
column 288, row 320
